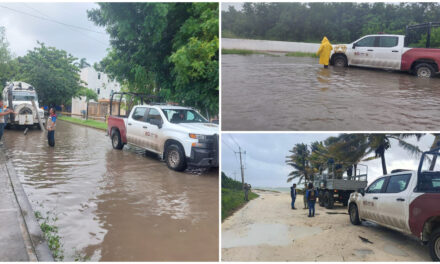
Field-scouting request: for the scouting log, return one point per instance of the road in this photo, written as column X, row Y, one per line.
column 266, row 229
column 261, row 92
column 116, row 205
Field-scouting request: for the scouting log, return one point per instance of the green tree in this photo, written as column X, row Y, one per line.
column 8, row 66
column 169, row 49
column 82, row 63
column 52, row 72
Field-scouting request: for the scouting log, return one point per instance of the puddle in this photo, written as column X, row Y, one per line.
column 363, row 252
column 267, row 234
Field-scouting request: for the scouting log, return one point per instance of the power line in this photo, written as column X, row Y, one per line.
column 234, row 140
column 224, row 143
column 74, row 30
column 52, row 20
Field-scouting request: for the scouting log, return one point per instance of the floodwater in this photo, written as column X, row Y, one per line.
column 261, row 92
column 116, row 205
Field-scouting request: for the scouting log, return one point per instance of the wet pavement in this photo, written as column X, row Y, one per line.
column 261, row 92
column 116, row 205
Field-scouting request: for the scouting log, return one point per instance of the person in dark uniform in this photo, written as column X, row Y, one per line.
column 293, row 195
column 311, row 195
column 247, row 188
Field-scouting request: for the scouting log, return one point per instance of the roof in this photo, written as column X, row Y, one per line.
column 383, row 35
column 166, row 106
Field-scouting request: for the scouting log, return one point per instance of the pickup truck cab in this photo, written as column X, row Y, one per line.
column 179, row 135
column 406, row 201
column 384, row 51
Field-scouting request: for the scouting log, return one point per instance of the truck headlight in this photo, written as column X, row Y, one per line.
column 197, row 136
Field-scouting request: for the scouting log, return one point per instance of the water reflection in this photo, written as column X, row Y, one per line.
column 290, row 93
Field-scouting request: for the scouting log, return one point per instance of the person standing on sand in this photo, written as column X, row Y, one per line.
column 311, row 195
column 324, row 52
column 51, row 124
column 293, row 195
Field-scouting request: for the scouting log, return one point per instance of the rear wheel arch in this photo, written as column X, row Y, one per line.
column 427, row 61
column 430, row 226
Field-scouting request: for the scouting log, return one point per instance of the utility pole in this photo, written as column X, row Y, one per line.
column 241, row 167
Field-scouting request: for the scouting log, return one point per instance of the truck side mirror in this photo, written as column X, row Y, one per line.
column 354, row 45
column 156, row 122
column 361, row 191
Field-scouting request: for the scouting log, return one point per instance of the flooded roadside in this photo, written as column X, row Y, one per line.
column 116, row 205
column 295, row 93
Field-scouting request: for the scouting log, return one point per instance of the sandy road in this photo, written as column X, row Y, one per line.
column 266, row 229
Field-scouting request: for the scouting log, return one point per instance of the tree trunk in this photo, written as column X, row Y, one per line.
column 87, row 110
column 384, row 165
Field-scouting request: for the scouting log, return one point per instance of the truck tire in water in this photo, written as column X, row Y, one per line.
column 175, row 158
column 340, row 61
column 424, row 70
column 434, row 245
column 116, row 140
column 354, row 214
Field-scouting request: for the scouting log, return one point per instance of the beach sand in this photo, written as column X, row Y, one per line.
column 267, row 229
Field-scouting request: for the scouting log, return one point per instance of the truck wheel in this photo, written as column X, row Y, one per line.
column 340, row 61
column 330, row 200
column 116, row 140
column 434, row 245
column 424, row 70
column 321, row 199
column 354, row 214
column 175, row 158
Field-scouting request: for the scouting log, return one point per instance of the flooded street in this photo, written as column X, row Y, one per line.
column 261, row 92
column 116, row 205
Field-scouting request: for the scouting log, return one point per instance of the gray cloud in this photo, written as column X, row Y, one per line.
column 23, row 30
column 265, row 156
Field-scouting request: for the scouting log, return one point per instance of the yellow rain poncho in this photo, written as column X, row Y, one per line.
column 324, row 51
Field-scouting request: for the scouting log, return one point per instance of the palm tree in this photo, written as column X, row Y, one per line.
column 82, row 63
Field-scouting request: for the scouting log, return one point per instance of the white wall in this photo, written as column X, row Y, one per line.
column 78, row 104
column 99, row 82
column 269, row 45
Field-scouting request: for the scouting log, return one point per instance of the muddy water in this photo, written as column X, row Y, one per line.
column 261, row 92
column 116, row 205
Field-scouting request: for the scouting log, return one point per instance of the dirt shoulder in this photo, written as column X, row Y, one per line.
column 266, row 229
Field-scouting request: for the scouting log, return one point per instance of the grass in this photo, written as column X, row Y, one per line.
column 90, row 123
column 232, row 200
column 50, row 231
column 246, row 52
column 301, row 54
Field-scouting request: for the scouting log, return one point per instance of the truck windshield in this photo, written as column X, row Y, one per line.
column 183, row 116
column 23, row 96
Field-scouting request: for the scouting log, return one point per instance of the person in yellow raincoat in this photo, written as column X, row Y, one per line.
column 324, row 52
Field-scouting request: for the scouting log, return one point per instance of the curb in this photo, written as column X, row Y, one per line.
column 36, row 236
column 100, row 129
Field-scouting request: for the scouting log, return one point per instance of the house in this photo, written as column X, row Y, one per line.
column 104, row 87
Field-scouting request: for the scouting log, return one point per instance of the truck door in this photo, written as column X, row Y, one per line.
column 388, row 53
column 394, row 204
column 363, row 52
column 370, row 201
column 152, row 132
column 135, row 124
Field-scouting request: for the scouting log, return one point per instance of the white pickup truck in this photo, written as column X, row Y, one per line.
column 385, row 51
column 179, row 135
column 406, row 201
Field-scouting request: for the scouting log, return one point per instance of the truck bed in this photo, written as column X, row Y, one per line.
column 340, row 184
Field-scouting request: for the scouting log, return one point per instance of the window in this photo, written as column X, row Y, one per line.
column 366, row 42
column 398, row 183
column 99, row 76
column 139, row 113
column 153, row 114
column 183, row 116
column 376, row 187
column 388, row 42
column 98, row 90
column 429, row 181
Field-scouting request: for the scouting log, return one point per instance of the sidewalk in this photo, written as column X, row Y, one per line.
column 21, row 238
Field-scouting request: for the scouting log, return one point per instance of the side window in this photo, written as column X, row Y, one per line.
column 398, row 183
column 366, row 42
column 388, row 42
column 376, row 187
column 190, row 116
column 139, row 113
column 153, row 114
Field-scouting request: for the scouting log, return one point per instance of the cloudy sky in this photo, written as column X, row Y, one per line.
column 27, row 23
column 265, row 156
